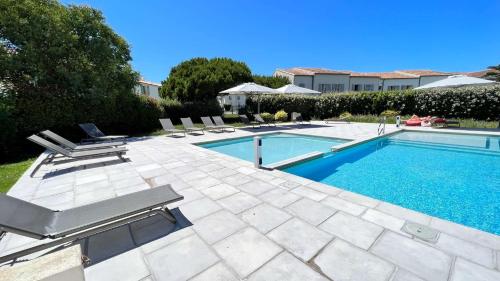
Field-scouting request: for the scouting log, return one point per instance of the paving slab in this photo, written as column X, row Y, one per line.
column 218, row 272
column 418, row 258
column 113, row 269
column 219, row 191
column 217, row 226
column 403, row 275
column 466, row 271
column 246, row 251
column 286, row 267
column 181, row 260
column 343, row 205
column 238, row 202
column 256, row 187
column 352, row 229
column 342, row 261
column 279, row 197
column 385, row 220
column 310, row 211
column 301, row 239
column 309, row 193
column 199, row 208
column 470, row 251
column 265, row 217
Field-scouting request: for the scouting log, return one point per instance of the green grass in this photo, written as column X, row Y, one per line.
column 10, row 173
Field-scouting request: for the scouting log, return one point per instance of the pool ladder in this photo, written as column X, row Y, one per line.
column 381, row 126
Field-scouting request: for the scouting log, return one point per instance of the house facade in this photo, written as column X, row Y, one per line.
column 147, row 88
column 327, row 80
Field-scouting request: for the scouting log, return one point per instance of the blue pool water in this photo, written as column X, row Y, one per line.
column 454, row 177
column 275, row 147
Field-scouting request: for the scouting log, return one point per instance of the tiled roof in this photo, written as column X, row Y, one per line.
column 149, row 83
column 424, row 72
column 309, row 71
column 384, row 75
column 478, row 74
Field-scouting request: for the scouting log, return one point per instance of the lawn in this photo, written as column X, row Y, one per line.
column 9, row 173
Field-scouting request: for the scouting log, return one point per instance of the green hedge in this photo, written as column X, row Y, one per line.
column 22, row 115
column 482, row 103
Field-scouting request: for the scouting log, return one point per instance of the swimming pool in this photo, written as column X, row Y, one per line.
column 450, row 176
column 275, row 147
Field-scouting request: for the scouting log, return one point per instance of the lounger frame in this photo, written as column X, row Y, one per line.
column 72, row 237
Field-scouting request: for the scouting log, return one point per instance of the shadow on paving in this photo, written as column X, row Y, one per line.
column 82, row 166
column 111, row 243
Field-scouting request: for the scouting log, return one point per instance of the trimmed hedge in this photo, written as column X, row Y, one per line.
column 482, row 103
column 22, row 115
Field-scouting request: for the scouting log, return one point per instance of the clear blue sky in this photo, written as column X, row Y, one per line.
column 447, row 35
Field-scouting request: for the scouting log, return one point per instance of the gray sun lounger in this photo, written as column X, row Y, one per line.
column 76, row 155
column 209, row 125
column 219, row 122
column 75, row 147
column 261, row 120
column 97, row 135
column 189, row 126
column 247, row 121
column 169, row 127
column 34, row 221
column 297, row 118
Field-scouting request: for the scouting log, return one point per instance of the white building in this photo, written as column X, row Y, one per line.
column 234, row 102
column 327, row 80
column 149, row 89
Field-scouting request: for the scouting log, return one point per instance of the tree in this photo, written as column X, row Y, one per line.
column 494, row 73
column 201, row 79
column 271, row 81
column 46, row 48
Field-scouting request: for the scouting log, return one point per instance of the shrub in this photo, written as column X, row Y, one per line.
column 281, row 116
column 227, row 107
column 482, row 103
column 390, row 113
column 345, row 115
column 176, row 110
column 268, row 117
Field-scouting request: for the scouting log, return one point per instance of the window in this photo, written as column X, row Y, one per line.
column 380, row 87
column 369, row 87
column 302, row 85
column 393, row 88
column 325, row 88
column 404, row 87
column 357, row 87
column 337, row 87
column 230, row 98
column 238, row 97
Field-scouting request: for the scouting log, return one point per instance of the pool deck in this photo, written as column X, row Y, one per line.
column 237, row 222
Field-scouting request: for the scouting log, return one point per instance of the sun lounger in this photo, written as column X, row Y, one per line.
column 97, row 135
column 247, row 121
column 58, row 152
column 34, row 221
column 261, row 120
column 168, row 127
column 220, row 123
column 189, row 126
column 75, row 147
column 209, row 125
column 297, row 118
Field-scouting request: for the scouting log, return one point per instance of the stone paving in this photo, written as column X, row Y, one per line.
column 237, row 222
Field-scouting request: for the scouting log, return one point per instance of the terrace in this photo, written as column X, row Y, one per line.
column 238, row 222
